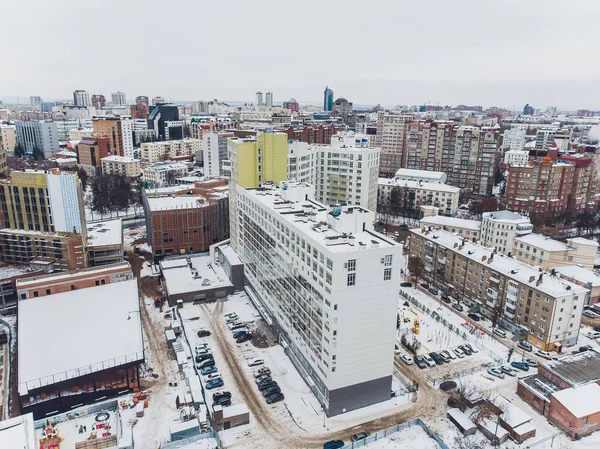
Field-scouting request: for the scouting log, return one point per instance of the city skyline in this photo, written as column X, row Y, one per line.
column 506, row 57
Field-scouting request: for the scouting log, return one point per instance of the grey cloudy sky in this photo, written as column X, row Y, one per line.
column 501, row 52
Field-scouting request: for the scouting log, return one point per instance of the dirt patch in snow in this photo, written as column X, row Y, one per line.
column 263, row 336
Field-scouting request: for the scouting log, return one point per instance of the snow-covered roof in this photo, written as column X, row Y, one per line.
column 461, row 419
column 418, row 185
column 440, row 220
column 18, row 432
column 576, row 369
column 583, row 241
column 176, row 202
column 202, row 275
column 580, row 274
column 116, row 158
column 580, row 401
column 424, row 174
column 543, row 242
column 506, row 215
column 99, row 328
column 511, row 414
column 105, row 233
column 8, row 271
column 514, row 269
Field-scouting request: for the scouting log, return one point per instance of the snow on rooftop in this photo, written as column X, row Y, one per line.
column 17, row 433
column 580, row 401
column 117, row 158
column 583, row 241
column 506, row 215
column 8, row 271
column 176, row 202
column 418, row 185
column 440, row 220
column 543, row 242
column 70, row 274
column 105, row 233
column 579, row 274
column 203, row 274
column 420, row 173
column 519, row 271
column 459, row 417
column 70, row 334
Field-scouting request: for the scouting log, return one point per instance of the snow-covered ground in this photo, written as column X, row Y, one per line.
column 410, row 438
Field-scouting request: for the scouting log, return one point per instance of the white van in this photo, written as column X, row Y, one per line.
column 499, row 332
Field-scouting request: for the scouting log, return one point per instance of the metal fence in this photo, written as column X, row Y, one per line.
column 191, row 440
column 391, row 430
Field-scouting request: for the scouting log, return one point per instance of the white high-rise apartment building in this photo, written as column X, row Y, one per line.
column 81, row 98
column 127, row 136
column 119, row 99
column 344, row 172
column 269, row 99
column 390, row 138
column 259, row 98
column 513, row 139
column 516, row 157
column 214, row 152
column 328, row 284
column 499, row 229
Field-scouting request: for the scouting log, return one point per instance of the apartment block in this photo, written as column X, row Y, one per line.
column 390, row 138
column 310, row 270
column 428, row 144
column 171, row 149
column 119, row 130
column 499, row 229
column 8, row 138
column 525, row 299
column 344, row 172
column 214, row 149
column 121, row 165
column 91, row 150
column 186, row 219
column 514, row 139
column 411, row 195
column 105, row 243
column 42, row 135
column 163, row 174
column 585, row 185
column 468, row 229
column 540, row 250
column 321, row 134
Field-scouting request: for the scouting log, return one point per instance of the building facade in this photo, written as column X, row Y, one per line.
column 170, row 149
column 540, row 250
column 119, row 98
column 516, row 157
column 81, row 98
column 214, row 149
column 514, row 139
column 499, row 229
column 42, row 135
column 163, row 174
column 309, row 271
column 121, row 165
column 390, row 138
column 160, row 115
column 468, row 229
column 8, row 138
column 411, row 195
column 327, row 99
column 91, row 150
column 119, row 130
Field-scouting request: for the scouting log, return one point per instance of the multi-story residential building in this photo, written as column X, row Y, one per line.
column 90, row 151
column 121, row 165
column 42, row 135
column 158, row 120
column 516, row 157
column 585, row 186
column 321, row 134
column 81, row 133
column 98, row 101
column 390, row 138
column 344, row 172
column 511, row 293
column 119, row 98
column 259, row 98
column 499, row 229
column 186, row 219
column 327, row 99
column 428, row 144
column 8, row 138
column 70, row 112
column 411, row 195
column 514, row 139
column 342, row 108
column 583, row 277
column 81, row 98
column 36, row 102
column 544, row 138
column 170, row 149
column 540, row 189
column 120, row 132
column 105, row 242
column 163, row 174
column 431, row 177
column 46, row 201
column 291, row 105
column 469, row 229
column 540, row 250
column 473, row 161
column 214, row 149
column 269, row 99
column 309, row 269
column 64, row 127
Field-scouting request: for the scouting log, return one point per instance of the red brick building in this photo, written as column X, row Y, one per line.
column 186, row 219
column 321, row 134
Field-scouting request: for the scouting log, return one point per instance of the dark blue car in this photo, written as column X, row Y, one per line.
column 214, row 384
column 520, row 365
column 333, row 444
column 238, row 334
column 208, row 370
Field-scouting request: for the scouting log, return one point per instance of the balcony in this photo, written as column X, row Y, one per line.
column 494, row 280
column 493, row 294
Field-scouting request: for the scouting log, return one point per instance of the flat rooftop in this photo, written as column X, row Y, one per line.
column 73, row 274
column 543, row 242
column 203, row 274
column 506, row 215
column 105, row 233
column 512, row 268
column 580, row 274
column 440, row 221
column 418, row 185
column 577, row 369
column 580, row 401
column 71, row 334
column 408, row 172
column 176, row 202
column 540, row 385
column 8, row 271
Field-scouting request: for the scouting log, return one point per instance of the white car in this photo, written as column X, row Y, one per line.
column 546, row 355
column 450, row 353
column 202, row 348
column 203, row 351
column 255, row 362
column 592, row 334
column 495, row 371
column 213, row 376
column 508, row 370
column 428, row 360
column 236, row 325
column 232, row 318
column 406, row 359
column 459, row 353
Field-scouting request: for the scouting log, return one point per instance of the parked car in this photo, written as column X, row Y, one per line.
column 223, row 402
column 466, row 349
column 238, row 334
column 499, row 332
column 532, row 363
column 592, row 334
column 221, row 394
column 269, row 391
column 447, row 299
column 473, row 349
column 333, row 444
column 474, row 316
column 406, row 359
column 585, row 348
column 244, row 338
column 425, row 285
column 201, row 352
column 208, row 370
column 433, row 290
column 444, row 355
column 262, row 371
column 236, row 325
column 525, row 345
column 201, row 347
column 405, row 284
column 214, row 384
column 508, row 370
column 262, row 378
column 205, row 364
column 359, row 436
column 450, row 354
column 520, row 365
column 213, row 376
column 265, row 385
column 255, row 362
column 545, row 355
column 428, row 360
column 397, row 350
column 420, row 362
column 231, row 316
column 275, row 397
column 495, row 371
column 459, row 353
column 458, row 306
column 589, row 314
column 203, row 333
column 199, row 358
column 437, row 358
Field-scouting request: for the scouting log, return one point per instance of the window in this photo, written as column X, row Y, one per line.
column 352, row 265
column 97, row 282
column 387, row 274
column 335, row 307
column 388, row 260
column 351, row 279
column 72, row 287
column 328, row 278
column 47, row 291
column 329, row 264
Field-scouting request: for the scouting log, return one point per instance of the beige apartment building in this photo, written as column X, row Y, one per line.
column 539, row 250
column 530, row 302
column 469, row 229
column 414, row 194
column 121, row 165
column 170, row 149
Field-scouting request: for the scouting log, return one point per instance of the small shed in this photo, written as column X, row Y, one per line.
column 493, row 430
column 461, row 421
column 170, row 336
column 230, row 417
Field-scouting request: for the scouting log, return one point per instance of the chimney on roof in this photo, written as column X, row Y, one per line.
column 456, row 245
column 531, row 278
column 491, row 258
column 483, row 258
column 540, row 279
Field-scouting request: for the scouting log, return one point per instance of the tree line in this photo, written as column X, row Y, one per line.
column 111, row 193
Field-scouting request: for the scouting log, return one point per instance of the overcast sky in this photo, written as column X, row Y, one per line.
column 501, row 52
